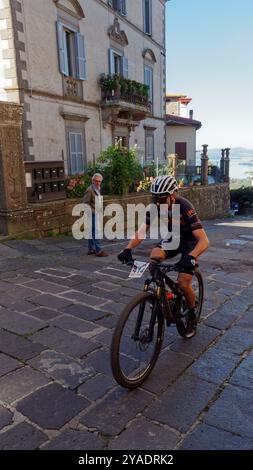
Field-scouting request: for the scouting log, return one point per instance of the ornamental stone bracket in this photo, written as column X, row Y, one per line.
column 113, row 116
column 12, row 173
column 115, row 34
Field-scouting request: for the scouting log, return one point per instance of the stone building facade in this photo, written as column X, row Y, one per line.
column 181, row 129
column 52, row 55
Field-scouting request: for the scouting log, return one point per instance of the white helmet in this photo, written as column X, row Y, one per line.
column 164, row 185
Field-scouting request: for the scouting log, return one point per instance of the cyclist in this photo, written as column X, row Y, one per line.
column 193, row 240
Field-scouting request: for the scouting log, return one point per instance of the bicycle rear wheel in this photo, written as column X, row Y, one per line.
column 137, row 340
column 184, row 324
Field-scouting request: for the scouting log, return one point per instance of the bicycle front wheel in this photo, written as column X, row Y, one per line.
column 137, row 340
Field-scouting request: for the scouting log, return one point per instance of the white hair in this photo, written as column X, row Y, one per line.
column 97, row 175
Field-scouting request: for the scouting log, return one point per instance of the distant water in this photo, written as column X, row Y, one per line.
column 239, row 166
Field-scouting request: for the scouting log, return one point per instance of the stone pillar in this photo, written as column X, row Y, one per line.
column 172, row 163
column 204, row 166
column 13, row 196
column 226, row 165
column 222, row 165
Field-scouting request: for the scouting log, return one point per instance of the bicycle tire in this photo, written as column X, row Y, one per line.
column 182, row 325
column 118, row 374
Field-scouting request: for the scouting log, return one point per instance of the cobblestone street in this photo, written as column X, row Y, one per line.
column 58, row 310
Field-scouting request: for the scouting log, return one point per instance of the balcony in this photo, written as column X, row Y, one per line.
column 72, row 88
column 124, row 100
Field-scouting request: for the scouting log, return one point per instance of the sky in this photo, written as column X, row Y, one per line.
column 210, row 59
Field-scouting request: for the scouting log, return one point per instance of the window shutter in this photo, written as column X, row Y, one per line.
column 80, row 159
column 148, row 80
column 76, row 153
column 149, row 148
column 72, row 153
column 81, row 57
column 125, row 67
column 111, row 62
column 122, row 7
column 62, row 48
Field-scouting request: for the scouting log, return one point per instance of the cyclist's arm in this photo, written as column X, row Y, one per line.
column 203, row 242
column 138, row 237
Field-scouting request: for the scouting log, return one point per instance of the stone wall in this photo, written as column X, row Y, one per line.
column 56, row 217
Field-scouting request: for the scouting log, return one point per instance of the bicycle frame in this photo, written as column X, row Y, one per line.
column 161, row 279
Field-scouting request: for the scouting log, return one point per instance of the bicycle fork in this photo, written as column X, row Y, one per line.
column 150, row 330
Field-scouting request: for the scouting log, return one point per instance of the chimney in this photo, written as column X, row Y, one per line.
column 191, row 114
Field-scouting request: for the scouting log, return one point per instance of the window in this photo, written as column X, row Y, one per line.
column 147, row 16
column 118, row 5
column 181, row 150
column 72, row 54
column 148, row 80
column 149, row 147
column 76, row 153
column 118, row 63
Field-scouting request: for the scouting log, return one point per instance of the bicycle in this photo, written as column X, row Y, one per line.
column 140, row 328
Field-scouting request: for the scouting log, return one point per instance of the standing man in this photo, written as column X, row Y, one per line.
column 92, row 197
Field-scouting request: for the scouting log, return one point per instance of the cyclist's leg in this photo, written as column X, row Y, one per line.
column 157, row 252
column 185, row 284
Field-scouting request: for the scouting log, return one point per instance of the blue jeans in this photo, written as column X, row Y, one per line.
column 94, row 243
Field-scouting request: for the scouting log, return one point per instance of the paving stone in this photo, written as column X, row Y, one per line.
column 198, row 343
column 221, row 320
column 108, row 321
column 51, row 301
column 206, row 437
column 86, row 299
column 80, row 327
column 64, row 369
column 7, row 252
column 142, row 434
column 16, row 293
column 104, row 338
column 106, row 286
column 46, row 286
column 246, row 320
column 23, row 436
column 21, row 306
column 100, row 360
column 7, row 364
column 6, row 417
column 180, row 406
column 236, row 340
column 84, row 312
column 214, row 365
column 19, row 323
column 111, row 415
column 243, row 375
column 168, row 367
column 114, row 308
column 64, row 342
column 17, row 347
column 231, row 278
column 233, row 411
column 75, row 440
column 20, row 383
column 44, row 313
column 96, row 387
column 52, row 407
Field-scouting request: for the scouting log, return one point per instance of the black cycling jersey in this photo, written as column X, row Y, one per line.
column 189, row 220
